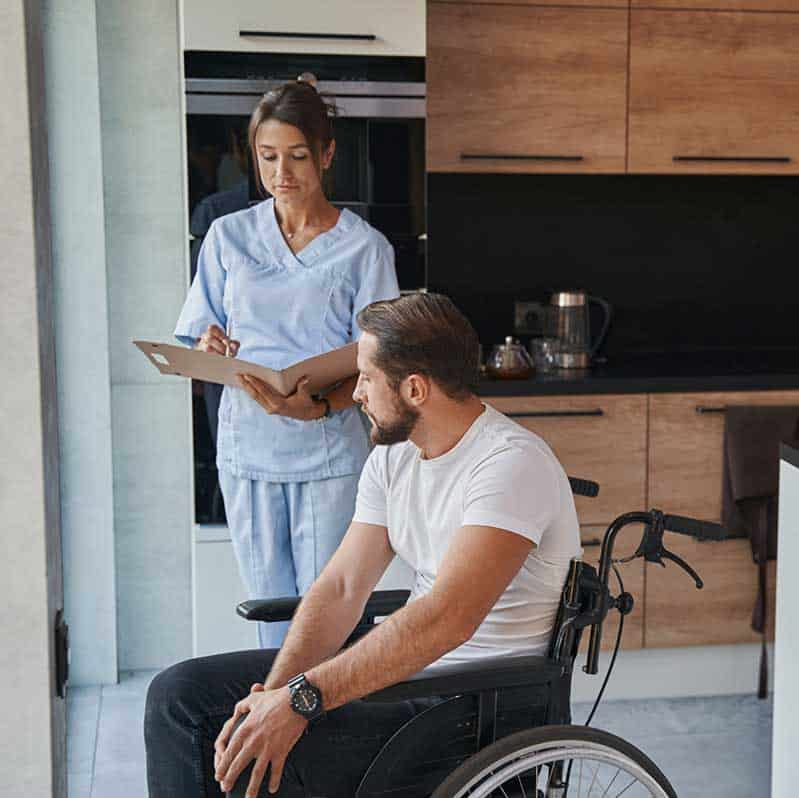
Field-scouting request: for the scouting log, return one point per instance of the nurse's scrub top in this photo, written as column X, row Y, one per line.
column 283, row 308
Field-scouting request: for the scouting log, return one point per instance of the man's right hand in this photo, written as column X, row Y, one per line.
column 215, row 340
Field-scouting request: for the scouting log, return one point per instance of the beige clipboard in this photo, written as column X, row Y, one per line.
column 321, row 370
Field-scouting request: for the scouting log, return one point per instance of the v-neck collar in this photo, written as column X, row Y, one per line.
column 308, row 254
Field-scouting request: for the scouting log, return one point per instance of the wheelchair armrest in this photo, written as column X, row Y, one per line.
column 381, row 602
column 472, row 677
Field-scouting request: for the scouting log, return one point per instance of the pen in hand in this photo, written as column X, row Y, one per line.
column 228, row 328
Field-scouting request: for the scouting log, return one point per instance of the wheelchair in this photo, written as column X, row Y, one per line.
column 553, row 758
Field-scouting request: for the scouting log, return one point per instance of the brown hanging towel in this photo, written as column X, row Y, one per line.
column 750, row 483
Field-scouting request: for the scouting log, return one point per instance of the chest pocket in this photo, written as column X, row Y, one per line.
column 279, row 311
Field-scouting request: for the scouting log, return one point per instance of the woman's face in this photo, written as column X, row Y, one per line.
column 286, row 164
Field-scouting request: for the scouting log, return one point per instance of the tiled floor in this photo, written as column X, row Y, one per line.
column 708, row 747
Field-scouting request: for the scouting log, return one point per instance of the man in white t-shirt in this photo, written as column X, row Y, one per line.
column 478, row 506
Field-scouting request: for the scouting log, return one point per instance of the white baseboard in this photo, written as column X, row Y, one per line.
column 675, row 673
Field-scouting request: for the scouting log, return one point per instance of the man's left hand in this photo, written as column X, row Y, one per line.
column 300, row 404
column 267, row 735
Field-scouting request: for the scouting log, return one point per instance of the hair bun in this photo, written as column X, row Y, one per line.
column 309, row 78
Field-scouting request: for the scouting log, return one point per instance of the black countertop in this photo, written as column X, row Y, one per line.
column 662, row 373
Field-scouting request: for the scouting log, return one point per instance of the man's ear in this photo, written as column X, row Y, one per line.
column 417, row 388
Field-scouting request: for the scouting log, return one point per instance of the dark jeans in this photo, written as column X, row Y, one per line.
column 188, row 703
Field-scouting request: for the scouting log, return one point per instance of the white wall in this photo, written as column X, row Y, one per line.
column 32, row 721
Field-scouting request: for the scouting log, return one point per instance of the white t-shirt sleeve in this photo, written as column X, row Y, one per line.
column 371, row 502
column 516, row 489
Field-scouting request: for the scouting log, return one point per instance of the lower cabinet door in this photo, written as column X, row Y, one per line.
column 599, row 437
column 686, row 445
column 677, row 614
column 632, row 574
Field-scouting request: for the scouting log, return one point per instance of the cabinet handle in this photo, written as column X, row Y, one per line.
column 361, row 37
column 707, row 409
column 732, row 159
column 588, row 544
column 478, row 156
column 557, row 413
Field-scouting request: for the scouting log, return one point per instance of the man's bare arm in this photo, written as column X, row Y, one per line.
column 479, row 565
column 333, row 605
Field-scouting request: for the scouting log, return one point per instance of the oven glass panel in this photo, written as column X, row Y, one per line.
column 378, row 172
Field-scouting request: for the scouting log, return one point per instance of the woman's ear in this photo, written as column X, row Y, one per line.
column 327, row 155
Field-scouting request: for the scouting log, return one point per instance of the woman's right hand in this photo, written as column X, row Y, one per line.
column 215, row 340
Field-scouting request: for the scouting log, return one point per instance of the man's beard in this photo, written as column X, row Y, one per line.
column 398, row 430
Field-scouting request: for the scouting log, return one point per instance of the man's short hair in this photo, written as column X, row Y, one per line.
column 424, row 334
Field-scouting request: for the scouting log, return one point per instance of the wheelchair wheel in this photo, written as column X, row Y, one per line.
column 557, row 762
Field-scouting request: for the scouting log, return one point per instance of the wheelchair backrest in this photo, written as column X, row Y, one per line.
column 579, row 597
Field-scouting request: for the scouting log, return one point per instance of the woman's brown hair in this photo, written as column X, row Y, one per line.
column 424, row 334
column 298, row 104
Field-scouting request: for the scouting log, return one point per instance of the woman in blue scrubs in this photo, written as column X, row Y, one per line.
column 275, row 284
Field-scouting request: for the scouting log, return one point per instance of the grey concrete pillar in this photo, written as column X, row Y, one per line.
column 146, row 232
column 82, row 344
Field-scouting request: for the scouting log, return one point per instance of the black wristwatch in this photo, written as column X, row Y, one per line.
column 306, row 698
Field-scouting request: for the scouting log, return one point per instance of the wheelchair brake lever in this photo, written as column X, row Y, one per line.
column 667, row 555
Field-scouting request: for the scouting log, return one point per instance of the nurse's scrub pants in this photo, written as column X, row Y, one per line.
column 284, row 533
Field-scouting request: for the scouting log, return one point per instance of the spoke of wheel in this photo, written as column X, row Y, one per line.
column 593, row 781
column 607, row 789
column 521, row 784
column 580, row 780
column 549, row 779
column 503, row 791
column 634, row 781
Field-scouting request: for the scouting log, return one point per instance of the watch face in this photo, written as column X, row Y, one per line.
column 305, row 700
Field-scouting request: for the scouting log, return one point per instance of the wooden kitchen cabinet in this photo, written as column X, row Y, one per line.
column 522, row 88
column 677, row 614
column 714, row 85
column 719, row 5
column 595, row 437
column 686, row 437
column 632, row 575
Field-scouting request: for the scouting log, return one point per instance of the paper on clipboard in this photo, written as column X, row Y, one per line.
column 321, row 370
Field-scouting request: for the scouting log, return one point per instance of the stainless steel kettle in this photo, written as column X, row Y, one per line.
column 570, row 324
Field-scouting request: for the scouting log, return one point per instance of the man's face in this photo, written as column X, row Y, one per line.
column 393, row 419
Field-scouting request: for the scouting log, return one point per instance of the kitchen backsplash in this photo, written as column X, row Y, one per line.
column 688, row 262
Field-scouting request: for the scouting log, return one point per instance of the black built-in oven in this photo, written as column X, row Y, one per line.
column 378, row 170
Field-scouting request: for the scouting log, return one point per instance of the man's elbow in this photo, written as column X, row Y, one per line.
column 456, row 626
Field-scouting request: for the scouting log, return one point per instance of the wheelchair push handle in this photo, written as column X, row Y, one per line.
column 652, row 550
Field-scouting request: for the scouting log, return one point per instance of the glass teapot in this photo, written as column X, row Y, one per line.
column 509, row 361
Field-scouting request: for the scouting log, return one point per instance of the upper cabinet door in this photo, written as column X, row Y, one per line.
column 347, row 27
column 714, row 92
column 526, row 89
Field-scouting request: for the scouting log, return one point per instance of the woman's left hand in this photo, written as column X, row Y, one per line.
column 300, row 404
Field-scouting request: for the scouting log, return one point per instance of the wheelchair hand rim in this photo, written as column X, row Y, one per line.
column 529, row 757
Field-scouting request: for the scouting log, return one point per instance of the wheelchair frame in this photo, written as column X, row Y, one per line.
column 585, row 603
